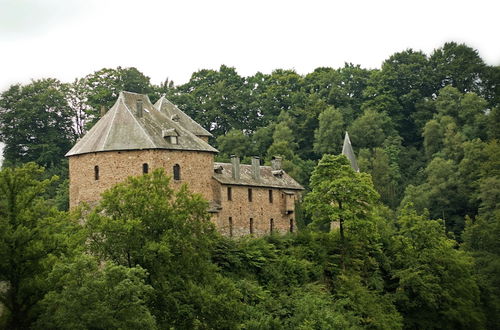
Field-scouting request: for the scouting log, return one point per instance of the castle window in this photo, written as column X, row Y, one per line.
column 271, row 225
column 96, row 172
column 291, row 225
column 145, row 168
column 229, row 194
column 251, row 226
column 270, row 196
column 177, row 172
column 230, row 226
column 249, row 194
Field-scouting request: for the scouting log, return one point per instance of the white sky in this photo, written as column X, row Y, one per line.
column 66, row 39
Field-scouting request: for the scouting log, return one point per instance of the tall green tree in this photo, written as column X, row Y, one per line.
column 338, row 193
column 219, row 100
column 328, row 136
column 101, row 89
column 33, row 235
column 435, row 287
column 86, row 295
column 143, row 221
column 371, row 129
column 36, row 123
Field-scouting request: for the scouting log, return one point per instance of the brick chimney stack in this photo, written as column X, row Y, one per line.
column 276, row 163
column 235, row 161
column 256, row 168
column 139, row 108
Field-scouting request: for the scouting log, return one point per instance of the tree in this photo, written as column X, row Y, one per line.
column 328, row 136
column 371, row 129
column 36, row 123
column 85, row 295
column 32, row 237
column 235, row 142
column 435, row 287
column 101, row 88
column 218, row 100
column 338, row 193
column 143, row 221
column 458, row 65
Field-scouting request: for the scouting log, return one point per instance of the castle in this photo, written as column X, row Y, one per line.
column 135, row 137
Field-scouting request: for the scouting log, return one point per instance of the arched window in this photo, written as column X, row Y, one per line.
column 251, row 226
column 271, row 225
column 291, row 225
column 145, row 168
column 177, row 172
column 96, row 172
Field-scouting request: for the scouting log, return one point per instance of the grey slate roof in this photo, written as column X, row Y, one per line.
column 172, row 111
column 267, row 179
column 349, row 153
column 122, row 128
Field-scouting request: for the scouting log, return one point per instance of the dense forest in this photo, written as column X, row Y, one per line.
column 419, row 241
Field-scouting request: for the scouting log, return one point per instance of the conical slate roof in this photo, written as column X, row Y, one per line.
column 123, row 127
column 349, row 153
column 174, row 113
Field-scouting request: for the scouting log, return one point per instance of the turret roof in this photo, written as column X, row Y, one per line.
column 349, row 153
column 123, row 127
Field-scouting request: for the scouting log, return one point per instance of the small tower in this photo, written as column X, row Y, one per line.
column 349, row 153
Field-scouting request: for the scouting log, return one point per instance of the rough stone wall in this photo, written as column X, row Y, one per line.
column 116, row 166
column 260, row 209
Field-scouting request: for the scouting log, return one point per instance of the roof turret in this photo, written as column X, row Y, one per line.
column 349, row 153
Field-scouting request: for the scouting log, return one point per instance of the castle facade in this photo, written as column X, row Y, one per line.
column 135, row 137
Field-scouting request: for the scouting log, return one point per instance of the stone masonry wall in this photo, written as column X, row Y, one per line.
column 116, row 166
column 260, row 209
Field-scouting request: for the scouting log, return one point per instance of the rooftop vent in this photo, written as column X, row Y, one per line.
column 218, row 169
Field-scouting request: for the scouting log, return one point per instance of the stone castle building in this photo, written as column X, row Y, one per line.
column 135, row 137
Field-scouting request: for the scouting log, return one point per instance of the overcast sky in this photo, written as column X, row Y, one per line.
column 66, row 39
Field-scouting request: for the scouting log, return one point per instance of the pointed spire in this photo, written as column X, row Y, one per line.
column 349, row 153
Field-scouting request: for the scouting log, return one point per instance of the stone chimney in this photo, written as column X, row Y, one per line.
column 235, row 161
column 139, row 108
column 256, row 168
column 276, row 163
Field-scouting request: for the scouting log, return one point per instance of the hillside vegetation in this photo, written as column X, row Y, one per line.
column 418, row 246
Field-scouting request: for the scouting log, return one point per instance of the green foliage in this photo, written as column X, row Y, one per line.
column 370, row 129
column 328, row 136
column 234, row 143
column 85, row 295
column 338, row 193
column 35, row 123
column 101, row 89
column 145, row 222
column 435, row 285
column 33, row 236
column 423, row 125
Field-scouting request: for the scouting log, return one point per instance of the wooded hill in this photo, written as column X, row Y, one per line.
column 419, row 244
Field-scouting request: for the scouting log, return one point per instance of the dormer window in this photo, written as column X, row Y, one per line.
column 175, row 118
column 171, row 135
